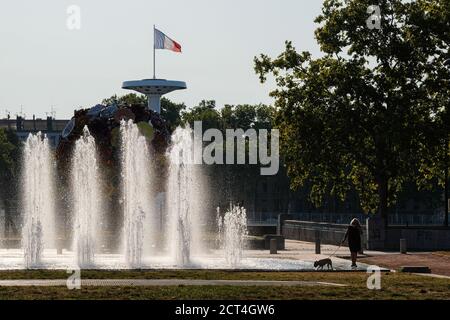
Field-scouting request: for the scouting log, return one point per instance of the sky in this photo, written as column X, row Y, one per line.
column 44, row 65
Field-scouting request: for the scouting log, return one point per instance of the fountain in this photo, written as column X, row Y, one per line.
column 86, row 195
column 185, row 199
column 135, row 191
column 177, row 233
column 180, row 181
column 232, row 232
column 38, row 195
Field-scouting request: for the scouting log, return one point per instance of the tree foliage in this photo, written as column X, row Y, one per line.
column 127, row 99
column 243, row 116
column 206, row 112
column 10, row 150
column 172, row 112
column 363, row 115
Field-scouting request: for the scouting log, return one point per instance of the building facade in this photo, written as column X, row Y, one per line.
column 51, row 127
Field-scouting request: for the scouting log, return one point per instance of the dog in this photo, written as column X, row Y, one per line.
column 319, row 264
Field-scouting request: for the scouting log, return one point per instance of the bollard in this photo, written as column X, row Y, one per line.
column 403, row 246
column 317, row 242
column 273, row 246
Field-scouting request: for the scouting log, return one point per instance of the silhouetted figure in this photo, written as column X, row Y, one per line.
column 353, row 235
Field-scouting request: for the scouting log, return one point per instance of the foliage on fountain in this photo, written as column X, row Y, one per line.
column 112, row 168
column 37, row 183
column 103, row 123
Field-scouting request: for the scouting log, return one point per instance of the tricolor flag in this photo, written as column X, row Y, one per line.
column 164, row 42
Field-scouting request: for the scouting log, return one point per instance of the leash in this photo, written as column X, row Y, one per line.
column 335, row 251
column 340, row 245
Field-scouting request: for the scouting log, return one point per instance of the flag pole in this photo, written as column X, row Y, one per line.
column 154, row 51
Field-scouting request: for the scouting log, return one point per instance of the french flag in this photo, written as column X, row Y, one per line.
column 164, row 42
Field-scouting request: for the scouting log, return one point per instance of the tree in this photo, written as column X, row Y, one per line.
column 171, row 112
column 355, row 117
column 231, row 178
column 204, row 112
column 9, row 174
column 434, row 166
column 247, row 116
column 127, row 99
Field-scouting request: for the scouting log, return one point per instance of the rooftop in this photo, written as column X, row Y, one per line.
column 154, row 86
column 33, row 125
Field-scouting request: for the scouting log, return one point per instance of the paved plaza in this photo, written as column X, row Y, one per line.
column 162, row 282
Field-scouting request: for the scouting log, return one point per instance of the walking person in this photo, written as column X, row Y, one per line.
column 353, row 234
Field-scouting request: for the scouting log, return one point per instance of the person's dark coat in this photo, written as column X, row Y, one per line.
column 353, row 235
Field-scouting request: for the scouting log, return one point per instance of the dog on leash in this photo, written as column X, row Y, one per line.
column 319, row 264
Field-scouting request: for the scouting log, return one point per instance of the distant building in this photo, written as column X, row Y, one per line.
column 23, row 127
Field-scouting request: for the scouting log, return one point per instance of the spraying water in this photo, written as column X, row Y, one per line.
column 135, row 178
column 181, row 195
column 86, row 193
column 232, row 232
column 38, row 193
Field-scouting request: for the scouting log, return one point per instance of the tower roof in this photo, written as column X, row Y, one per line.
column 154, row 86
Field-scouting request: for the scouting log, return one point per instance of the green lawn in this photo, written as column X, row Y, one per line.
column 394, row 286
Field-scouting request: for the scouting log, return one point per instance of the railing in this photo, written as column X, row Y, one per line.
column 339, row 218
column 267, row 222
column 416, row 219
column 270, row 218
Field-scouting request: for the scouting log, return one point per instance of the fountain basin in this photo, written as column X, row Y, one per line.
column 12, row 259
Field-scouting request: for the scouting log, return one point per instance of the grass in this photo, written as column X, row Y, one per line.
column 173, row 274
column 393, row 286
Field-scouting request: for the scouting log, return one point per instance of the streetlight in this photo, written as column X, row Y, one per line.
column 446, row 160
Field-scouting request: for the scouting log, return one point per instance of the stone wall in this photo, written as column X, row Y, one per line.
column 261, row 230
column 382, row 237
column 376, row 236
column 329, row 233
column 418, row 238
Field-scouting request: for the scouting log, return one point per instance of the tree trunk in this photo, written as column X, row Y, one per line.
column 446, row 160
column 5, row 222
column 383, row 192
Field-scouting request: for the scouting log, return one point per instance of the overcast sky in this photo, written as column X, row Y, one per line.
column 44, row 64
